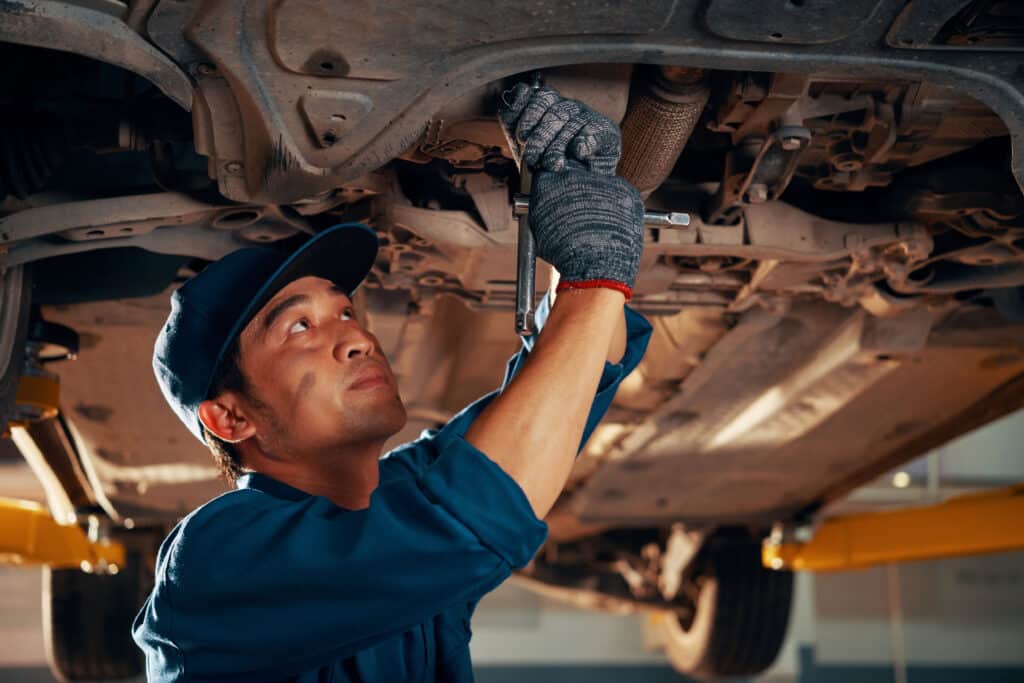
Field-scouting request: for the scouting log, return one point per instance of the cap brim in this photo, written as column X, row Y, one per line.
column 343, row 254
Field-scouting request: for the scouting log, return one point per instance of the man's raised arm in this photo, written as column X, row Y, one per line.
column 532, row 430
column 588, row 224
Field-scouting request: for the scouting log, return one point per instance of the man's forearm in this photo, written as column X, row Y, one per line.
column 617, row 347
column 533, row 429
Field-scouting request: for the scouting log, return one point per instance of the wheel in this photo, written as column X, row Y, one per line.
column 740, row 616
column 87, row 621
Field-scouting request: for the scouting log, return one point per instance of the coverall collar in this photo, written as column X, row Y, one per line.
column 269, row 485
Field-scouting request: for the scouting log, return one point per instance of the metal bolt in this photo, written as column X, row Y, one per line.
column 849, row 161
column 233, row 167
column 791, row 143
column 757, row 193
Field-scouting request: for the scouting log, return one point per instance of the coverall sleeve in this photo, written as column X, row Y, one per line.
column 252, row 585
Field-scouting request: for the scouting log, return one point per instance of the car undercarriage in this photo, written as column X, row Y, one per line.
column 848, row 294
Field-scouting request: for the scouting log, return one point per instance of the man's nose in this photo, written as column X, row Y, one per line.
column 353, row 342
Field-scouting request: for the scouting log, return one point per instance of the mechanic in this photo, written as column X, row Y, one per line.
column 329, row 562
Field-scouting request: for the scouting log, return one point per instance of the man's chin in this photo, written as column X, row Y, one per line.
column 387, row 419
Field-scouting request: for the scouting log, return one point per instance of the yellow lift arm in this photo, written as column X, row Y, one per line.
column 29, row 535
column 966, row 525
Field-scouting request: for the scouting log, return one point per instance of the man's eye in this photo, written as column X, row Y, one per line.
column 298, row 326
column 348, row 314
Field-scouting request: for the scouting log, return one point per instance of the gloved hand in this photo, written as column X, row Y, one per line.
column 589, row 227
column 552, row 127
column 587, row 222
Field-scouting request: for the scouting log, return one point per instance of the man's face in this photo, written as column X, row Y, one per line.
column 319, row 379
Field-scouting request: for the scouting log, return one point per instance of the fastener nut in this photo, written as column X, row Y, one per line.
column 757, row 193
column 791, row 143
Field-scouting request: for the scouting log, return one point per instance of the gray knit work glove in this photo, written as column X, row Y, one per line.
column 587, row 222
column 589, row 227
column 553, row 128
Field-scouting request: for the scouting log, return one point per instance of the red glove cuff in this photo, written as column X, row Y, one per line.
column 593, row 284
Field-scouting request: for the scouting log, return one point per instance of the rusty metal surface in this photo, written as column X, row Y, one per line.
column 376, row 102
column 437, row 297
column 92, row 33
column 165, row 222
column 893, row 400
column 816, row 23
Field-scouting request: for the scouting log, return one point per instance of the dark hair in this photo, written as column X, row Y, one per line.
column 229, row 377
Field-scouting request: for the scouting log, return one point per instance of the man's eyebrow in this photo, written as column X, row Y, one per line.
column 275, row 312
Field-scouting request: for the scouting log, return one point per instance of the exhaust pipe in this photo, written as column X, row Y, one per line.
column 658, row 124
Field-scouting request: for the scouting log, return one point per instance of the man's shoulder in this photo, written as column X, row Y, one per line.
column 215, row 522
column 412, row 458
column 224, row 507
column 408, row 459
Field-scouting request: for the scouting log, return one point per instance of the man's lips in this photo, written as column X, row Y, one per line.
column 370, row 377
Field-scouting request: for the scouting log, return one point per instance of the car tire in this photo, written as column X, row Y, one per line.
column 740, row 618
column 87, row 621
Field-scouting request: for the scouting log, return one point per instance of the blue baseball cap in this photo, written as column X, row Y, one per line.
column 210, row 310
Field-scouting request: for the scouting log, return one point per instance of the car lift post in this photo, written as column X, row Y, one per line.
column 29, row 535
column 966, row 525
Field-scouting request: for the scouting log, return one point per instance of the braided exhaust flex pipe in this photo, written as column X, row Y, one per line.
column 660, row 119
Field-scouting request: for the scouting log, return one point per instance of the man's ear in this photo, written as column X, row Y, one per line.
column 223, row 417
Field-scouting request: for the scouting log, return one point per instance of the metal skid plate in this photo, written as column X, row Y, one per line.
column 799, row 406
column 321, row 93
column 786, row 21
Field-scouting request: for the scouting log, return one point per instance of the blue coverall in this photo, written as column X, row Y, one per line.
column 269, row 583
